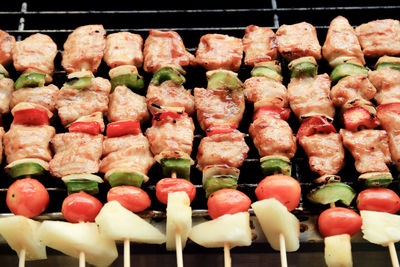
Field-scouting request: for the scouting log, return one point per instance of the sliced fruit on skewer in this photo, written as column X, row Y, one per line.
column 20, row 234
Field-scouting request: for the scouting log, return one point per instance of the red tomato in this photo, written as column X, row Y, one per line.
column 170, row 185
column 378, row 199
column 166, row 116
column 315, row 124
column 121, row 128
column 89, row 127
column 277, row 112
column 220, row 129
column 31, row 116
column 284, row 188
column 337, row 221
column 131, row 197
column 357, row 117
column 81, row 207
column 27, row 197
column 227, row 201
column 389, row 107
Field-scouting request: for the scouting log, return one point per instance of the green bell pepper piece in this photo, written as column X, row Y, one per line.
column 79, row 83
column 304, row 69
column 331, row 193
column 215, row 183
column 88, row 186
column 224, row 80
column 181, row 166
column 276, row 165
column 168, row 73
column 392, row 65
column 32, row 79
column 131, row 80
column 26, row 169
column 263, row 71
column 126, row 178
column 382, row 180
column 346, row 69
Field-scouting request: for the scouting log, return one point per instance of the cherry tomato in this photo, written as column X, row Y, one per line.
column 31, row 116
column 80, row 207
column 284, row 188
column 89, row 127
column 121, row 128
column 315, row 124
column 277, row 112
column 220, row 129
column 227, row 201
column 131, row 197
column 170, row 185
column 378, row 199
column 27, row 197
column 337, row 221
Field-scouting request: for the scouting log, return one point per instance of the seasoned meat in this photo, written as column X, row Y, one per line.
column 6, row 89
column 35, row 53
column 74, row 103
column 387, row 84
column 123, row 48
column 219, row 51
column 219, row 107
column 76, row 153
column 168, row 94
column 390, row 122
column 341, row 41
column 129, row 151
column 172, row 134
column 379, row 37
column 350, row 88
column 45, row 96
column 228, row 149
column 84, row 49
column 310, row 96
column 2, row 132
column 127, row 105
column 259, row 45
column 165, row 48
column 263, row 91
column 370, row 149
column 272, row 136
column 26, row 141
column 325, row 152
column 7, row 44
column 298, row 40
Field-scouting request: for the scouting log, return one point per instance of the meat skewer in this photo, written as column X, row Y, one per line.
column 7, row 44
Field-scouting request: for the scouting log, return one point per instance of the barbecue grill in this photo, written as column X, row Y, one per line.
column 23, row 18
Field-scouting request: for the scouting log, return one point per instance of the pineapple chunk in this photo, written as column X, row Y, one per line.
column 73, row 238
column 179, row 218
column 233, row 229
column 380, row 228
column 19, row 232
column 117, row 223
column 338, row 251
column 275, row 219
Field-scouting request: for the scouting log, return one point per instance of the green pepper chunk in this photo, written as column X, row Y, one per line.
column 88, row 186
column 346, row 69
column 32, row 79
column 263, row 71
column 130, row 80
column 215, row 183
column 166, row 74
column 79, row 83
column 224, row 80
column 276, row 165
column 304, row 69
column 26, row 169
column 126, row 178
column 331, row 193
column 391, row 65
column 181, row 166
column 369, row 180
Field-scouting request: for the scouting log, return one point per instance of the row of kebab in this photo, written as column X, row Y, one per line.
column 121, row 152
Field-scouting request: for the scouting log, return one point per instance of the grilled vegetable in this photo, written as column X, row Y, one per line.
column 276, row 164
column 121, row 128
column 376, row 179
column 338, row 221
column 331, row 193
column 358, row 117
column 132, row 198
column 170, row 185
column 227, row 201
column 117, row 223
column 277, row 112
column 220, row 172
column 79, row 80
column 268, row 69
column 80, row 207
column 215, row 183
column 3, row 72
column 89, row 127
column 32, row 79
column 346, row 69
column 378, row 199
column 313, row 125
column 169, row 73
column 126, row 75
column 118, row 178
column 219, row 129
column 223, row 79
column 31, row 116
column 27, row 167
column 181, row 166
column 88, row 183
column 388, row 62
column 304, row 66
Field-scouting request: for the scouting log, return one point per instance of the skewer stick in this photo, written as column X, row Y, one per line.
column 173, row 174
column 393, row 255
column 227, row 255
column 282, row 244
column 179, row 256
column 82, row 261
column 22, row 254
column 127, row 253
column 332, row 205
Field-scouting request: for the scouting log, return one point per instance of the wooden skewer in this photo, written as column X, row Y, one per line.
column 127, row 252
column 282, row 244
column 21, row 255
column 393, row 255
column 227, row 255
column 178, row 244
column 82, row 261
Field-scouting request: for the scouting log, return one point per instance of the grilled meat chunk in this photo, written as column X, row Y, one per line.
column 6, row 89
column 387, row 84
column 43, row 95
column 263, row 91
column 123, row 48
column 7, row 44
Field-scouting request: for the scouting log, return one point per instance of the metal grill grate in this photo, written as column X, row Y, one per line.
column 23, row 18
